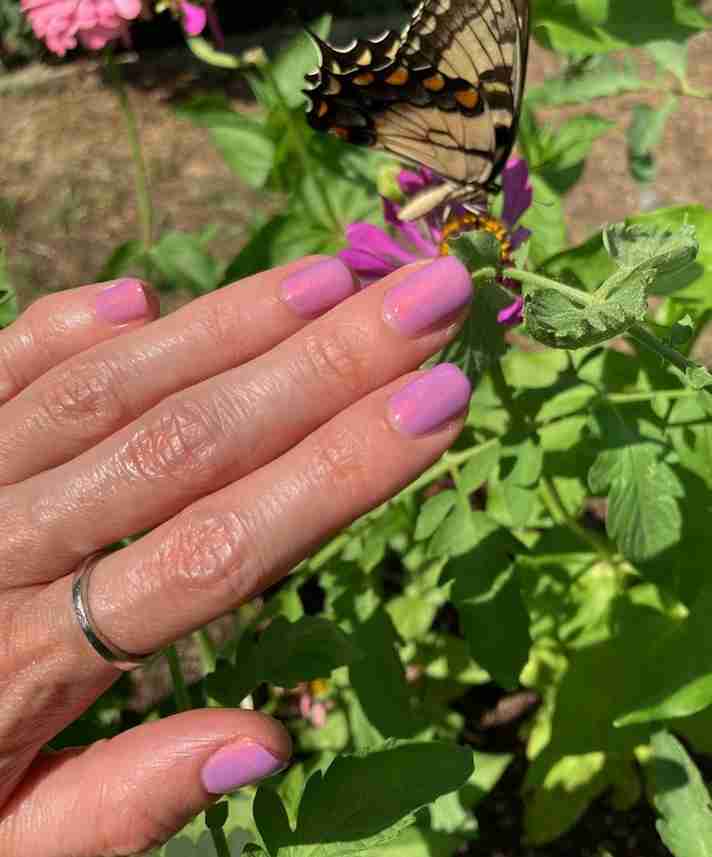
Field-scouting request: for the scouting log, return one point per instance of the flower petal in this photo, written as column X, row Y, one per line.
column 512, row 314
column 194, row 18
column 519, row 236
column 518, row 192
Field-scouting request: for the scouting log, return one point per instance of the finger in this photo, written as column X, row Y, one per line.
column 133, row 792
column 228, row 547
column 61, row 325
column 87, row 398
column 219, row 431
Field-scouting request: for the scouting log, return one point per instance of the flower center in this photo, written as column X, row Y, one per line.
column 471, row 221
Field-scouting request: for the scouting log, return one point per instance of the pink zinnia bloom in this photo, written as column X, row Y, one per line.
column 95, row 23
column 194, row 18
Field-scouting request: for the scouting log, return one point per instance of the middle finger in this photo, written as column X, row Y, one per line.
column 199, row 440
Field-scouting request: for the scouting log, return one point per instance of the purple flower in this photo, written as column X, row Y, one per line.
column 373, row 252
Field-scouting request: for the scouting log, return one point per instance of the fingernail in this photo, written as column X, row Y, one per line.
column 123, row 301
column 430, row 401
column 316, row 289
column 238, row 765
column 428, row 297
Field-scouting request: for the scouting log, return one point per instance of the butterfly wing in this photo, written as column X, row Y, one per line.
column 444, row 94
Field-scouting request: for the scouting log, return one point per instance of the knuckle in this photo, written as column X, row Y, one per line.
column 340, row 458
column 216, row 549
column 83, row 395
column 341, row 358
column 179, row 441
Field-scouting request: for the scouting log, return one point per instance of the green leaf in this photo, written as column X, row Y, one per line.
column 644, row 135
column 287, row 653
column 183, row 260
column 589, row 263
column 676, row 681
column 545, row 218
column 555, row 320
column 570, row 785
column 481, row 342
column 296, row 60
column 670, row 56
column 460, row 530
column 433, row 512
column 596, row 77
column 631, row 245
column 259, row 252
column 123, row 259
column 247, row 150
column 490, row 605
column 565, row 29
column 387, row 700
column 643, row 514
column 244, row 143
column 362, row 800
column 476, row 249
column 312, row 647
column 479, row 466
column 681, row 798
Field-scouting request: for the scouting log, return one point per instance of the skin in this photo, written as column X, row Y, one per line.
column 176, row 426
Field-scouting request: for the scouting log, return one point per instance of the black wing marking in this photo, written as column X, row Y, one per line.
column 446, row 93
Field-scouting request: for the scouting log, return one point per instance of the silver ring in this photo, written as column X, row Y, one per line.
column 80, row 601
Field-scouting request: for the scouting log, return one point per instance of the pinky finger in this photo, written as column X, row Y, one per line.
column 61, row 325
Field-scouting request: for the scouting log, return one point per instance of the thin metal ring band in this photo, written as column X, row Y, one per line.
column 101, row 645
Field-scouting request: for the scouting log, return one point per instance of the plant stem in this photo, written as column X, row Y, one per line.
column 143, row 194
column 180, row 690
column 651, row 342
column 555, row 505
column 220, row 842
column 631, row 398
column 208, row 651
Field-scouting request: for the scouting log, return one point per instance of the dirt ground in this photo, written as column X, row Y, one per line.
column 66, row 195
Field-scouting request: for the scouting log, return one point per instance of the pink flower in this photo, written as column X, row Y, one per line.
column 95, row 23
column 373, row 253
column 194, row 18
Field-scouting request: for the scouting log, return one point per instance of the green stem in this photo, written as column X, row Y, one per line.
column 180, row 690
column 631, row 398
column 295, row 131
column 220, row 842
column 652, row 343
column 559, row 514
column 143, row 194
column 208, row 650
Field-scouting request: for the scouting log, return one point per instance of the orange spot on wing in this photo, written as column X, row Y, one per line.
column 365, row 79
column 341, row 133
column 399, row 77
column 436, row 83
column 323, row 109
column 468, row 98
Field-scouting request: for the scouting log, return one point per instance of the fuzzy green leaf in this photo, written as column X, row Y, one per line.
column 681, row 798
column 555, row 320
column 643, row 513
column 362, row 800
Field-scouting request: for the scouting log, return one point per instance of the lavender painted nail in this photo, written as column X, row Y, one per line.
column 122, row 301
column 428, row 297
column 316, row 289
column 431, row 401
column 238, row 765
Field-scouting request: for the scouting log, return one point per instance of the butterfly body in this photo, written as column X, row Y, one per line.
column 444, row 94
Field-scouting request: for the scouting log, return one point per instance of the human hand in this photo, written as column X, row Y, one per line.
column 242, row 430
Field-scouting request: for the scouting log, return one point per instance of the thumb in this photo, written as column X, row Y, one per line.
column 133, row 792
